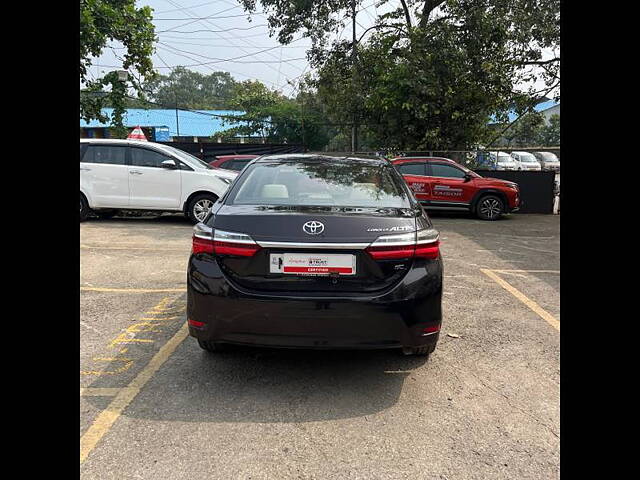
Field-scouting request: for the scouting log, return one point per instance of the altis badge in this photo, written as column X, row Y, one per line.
column 391, row 229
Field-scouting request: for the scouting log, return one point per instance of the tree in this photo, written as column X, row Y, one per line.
column 276, row 118
column 432, row 83
column 526, row 131
column 550, row 133
column 192, row 90
column 100, row 22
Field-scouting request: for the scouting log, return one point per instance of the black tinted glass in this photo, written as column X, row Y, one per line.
column 143, row 157
column 441, row 170
column 411, row 169
column 105, row 154
column 341, row 184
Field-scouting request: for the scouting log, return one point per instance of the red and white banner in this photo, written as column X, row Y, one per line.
column 137, row 134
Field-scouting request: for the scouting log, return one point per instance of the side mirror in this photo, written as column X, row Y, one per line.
column 467, row 178
column 169, row 164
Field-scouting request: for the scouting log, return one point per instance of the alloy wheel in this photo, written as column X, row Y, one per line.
column 201, row 208
column 490, row 208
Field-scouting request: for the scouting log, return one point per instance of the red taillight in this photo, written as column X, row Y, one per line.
column 389, row 253
column 196, row 323
column 422, row 244
column 237, row 249
column 428, row 250
column 222, row 243
column 433, row 329
column 201, row 245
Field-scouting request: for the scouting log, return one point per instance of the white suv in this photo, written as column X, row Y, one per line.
column 135, row 175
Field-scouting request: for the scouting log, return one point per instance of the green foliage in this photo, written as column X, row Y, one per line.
column 431, row 84
column 526, row 131
column 275, row 118
column 100, row 22
column 192, row 90
column 550, row 133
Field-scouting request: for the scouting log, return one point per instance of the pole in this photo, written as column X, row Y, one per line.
column 177, row 122
column 354, row 127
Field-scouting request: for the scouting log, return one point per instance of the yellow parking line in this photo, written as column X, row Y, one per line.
column 133, row 290
column 132, row 247
column 107, row 417
column 99, row 392
column 550, row 319
column 527, row 271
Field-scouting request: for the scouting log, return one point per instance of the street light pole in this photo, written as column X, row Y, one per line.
column 177, row 121
column 354, row 127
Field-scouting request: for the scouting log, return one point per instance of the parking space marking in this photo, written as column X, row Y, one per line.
column 133, row 247
column 99, row 392
column 107, row 417
column 550, row 319
column 133, row 290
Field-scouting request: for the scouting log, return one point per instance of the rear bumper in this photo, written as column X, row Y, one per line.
column 394, row 319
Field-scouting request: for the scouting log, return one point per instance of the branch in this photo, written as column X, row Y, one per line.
column 384, row 25
column 407, row 16
column 429, row 6
column 539, row 62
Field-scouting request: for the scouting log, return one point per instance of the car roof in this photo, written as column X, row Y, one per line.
column 426, row 159
column 312, row 157
column 235, row 157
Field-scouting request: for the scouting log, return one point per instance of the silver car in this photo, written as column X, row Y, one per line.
column 548, row 161
column 503, row 161
column 526, row 161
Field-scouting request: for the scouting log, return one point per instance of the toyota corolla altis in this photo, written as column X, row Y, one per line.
column 308, row 251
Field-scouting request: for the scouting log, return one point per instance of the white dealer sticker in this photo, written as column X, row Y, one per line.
column 312, row 263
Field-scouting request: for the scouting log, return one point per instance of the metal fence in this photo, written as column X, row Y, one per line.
column 207, row 151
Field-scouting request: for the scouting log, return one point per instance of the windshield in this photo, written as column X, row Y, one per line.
column 504, row 158
column 527, row 158
column 189, row 159
column 549, row 157
column 340, row 184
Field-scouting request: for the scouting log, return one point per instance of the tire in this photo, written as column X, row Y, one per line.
column 419, row 351
column 199, row 206
column 212, row 346
column 84, row 208
column 490, row 207
column 106, row 214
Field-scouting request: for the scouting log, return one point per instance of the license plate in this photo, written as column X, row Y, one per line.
column 312, row 264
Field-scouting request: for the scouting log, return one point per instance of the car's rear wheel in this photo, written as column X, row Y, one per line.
column 490, row 207
column 212, row 346
column 199, row 206
column 84, row 208
column 424, row 351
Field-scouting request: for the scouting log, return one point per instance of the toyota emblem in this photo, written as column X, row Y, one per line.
column 313, row 227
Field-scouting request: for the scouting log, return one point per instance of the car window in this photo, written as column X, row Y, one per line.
column 83, row 149
column 144, row 157
column 351, row 184
column 238, row 164
column 447, row 171
column 108, row 154
column 411, row 168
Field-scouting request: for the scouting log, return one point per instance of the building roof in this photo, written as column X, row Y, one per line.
column 540, row 107
column 199, row 123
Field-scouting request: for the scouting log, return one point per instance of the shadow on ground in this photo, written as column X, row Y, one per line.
column 272, row 385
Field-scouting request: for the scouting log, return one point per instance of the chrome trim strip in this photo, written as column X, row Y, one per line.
column 339, row 246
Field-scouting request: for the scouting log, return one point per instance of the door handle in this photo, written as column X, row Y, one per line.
column 85, row 169
column 135, row 172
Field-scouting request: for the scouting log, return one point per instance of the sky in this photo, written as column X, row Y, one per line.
column 208, row 36
column 226, row 35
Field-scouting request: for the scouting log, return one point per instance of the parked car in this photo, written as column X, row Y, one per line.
column 503, row 161
column 548, row 161
column 232, row 162
column 310, row 251
column 526, row 161
column 135, row 175
column 442, row 184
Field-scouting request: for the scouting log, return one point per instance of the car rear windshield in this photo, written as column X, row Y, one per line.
column 340, row 184
column 528, row 158
column 550, row 157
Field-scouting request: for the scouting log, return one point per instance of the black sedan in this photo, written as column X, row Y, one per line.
column 309, row 251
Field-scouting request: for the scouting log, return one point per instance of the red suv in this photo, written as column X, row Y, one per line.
column 232, row 162
column 442, row 184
